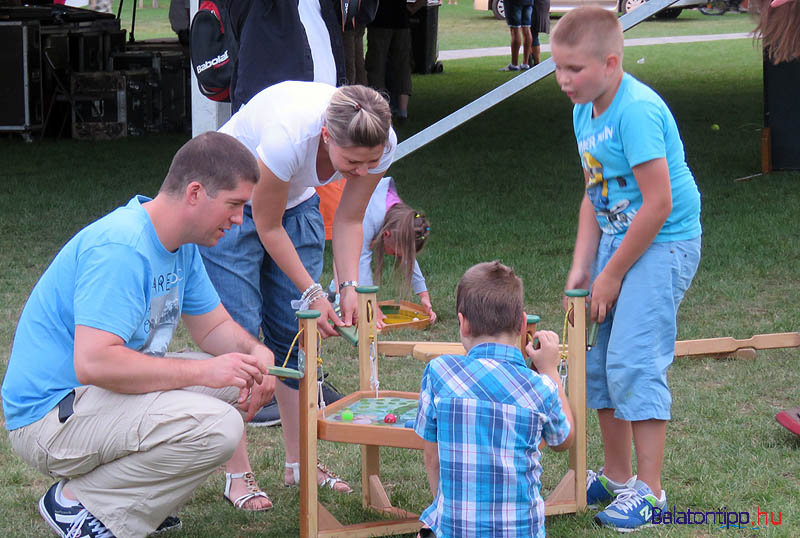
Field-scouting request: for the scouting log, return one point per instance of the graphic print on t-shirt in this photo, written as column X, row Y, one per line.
column 612, row 220
column 165, row 311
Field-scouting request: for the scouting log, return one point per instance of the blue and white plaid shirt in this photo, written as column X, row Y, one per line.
column 487, row 412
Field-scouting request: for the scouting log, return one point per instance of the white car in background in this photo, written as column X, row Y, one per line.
column 621, row 6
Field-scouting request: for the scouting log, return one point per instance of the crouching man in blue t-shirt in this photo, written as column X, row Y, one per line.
column 89, row 396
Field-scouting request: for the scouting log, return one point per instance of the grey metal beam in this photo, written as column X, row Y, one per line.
column 506, row 90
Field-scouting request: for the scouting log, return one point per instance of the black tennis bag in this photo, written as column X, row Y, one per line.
column 213, row 49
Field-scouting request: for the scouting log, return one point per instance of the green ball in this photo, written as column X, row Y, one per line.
column 715, row 126
column 347, row 415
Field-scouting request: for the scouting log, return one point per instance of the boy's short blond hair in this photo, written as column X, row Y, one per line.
column 593, row 29
column 489, row 296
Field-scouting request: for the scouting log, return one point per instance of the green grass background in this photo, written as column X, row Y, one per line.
column 506, row 186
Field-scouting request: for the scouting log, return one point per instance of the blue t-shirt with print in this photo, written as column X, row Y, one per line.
column 116, row 276
column 637, row 127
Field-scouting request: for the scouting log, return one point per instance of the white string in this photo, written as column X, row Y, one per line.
column 321, row 396
column 563, row 371
column 373, row 375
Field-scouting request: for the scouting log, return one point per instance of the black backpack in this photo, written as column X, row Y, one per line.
column 213, row 49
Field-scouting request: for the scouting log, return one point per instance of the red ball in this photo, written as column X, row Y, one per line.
column 390, row 419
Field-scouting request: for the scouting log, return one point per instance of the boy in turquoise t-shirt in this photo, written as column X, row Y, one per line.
column 638, row 246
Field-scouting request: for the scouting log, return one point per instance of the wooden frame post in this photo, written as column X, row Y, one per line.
column 367, row 342
column 570, row 494
column 576, row 392
column 309, row 495
column 315, row 520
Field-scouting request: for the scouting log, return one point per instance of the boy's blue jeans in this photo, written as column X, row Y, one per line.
column 626, row 370
column 254, row 290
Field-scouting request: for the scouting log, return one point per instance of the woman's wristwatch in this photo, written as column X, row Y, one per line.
column 347, row 283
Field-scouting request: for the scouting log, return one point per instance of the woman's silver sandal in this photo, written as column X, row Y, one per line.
column 330, row 480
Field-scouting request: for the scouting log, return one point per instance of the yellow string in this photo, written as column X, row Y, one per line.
column 563, row 353
column 370, row 314
column 291, row 347
column 319, row 348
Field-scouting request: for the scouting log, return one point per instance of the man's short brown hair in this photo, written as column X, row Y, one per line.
column 489, row 295
column 216, row 160
column 595, row 30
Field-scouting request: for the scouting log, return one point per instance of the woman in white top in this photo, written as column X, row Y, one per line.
column 304, row 134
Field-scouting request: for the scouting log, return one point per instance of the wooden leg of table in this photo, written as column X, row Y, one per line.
column 370, row 466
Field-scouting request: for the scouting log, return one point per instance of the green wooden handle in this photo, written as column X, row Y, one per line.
column 576, row 293
column 284, row 372
column 348, row 333
column 591, row 340
column 367, row 289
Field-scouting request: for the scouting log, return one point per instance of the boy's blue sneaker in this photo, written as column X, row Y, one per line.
column 632, row 509
column 600, row 489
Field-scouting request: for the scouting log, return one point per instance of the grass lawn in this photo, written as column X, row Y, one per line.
column 462, row 27
column 506, row 186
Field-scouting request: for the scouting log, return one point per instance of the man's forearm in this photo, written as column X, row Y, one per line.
column 229, row 337
column 126, row 371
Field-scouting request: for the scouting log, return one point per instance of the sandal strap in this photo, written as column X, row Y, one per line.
column 253, row 491
column 249, row 481
column 331, row 478
column 240, row 502
column 248, row 477
column 295, row 467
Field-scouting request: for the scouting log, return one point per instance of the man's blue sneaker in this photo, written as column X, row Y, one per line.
column 58, row 516
column 171, row 523
column 77, row 522
column 70, row 521
column 600, row 489
column 632, row 509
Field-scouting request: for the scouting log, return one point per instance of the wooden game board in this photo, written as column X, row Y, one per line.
column 403, row 315
column 371, row 426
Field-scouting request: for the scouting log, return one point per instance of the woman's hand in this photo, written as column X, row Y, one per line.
column 327, row 316
column 348, row 305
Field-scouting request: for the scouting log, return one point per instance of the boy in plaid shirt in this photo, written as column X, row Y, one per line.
column 483, row 462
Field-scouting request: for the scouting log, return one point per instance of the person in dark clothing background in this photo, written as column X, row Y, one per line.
column 281, row 41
